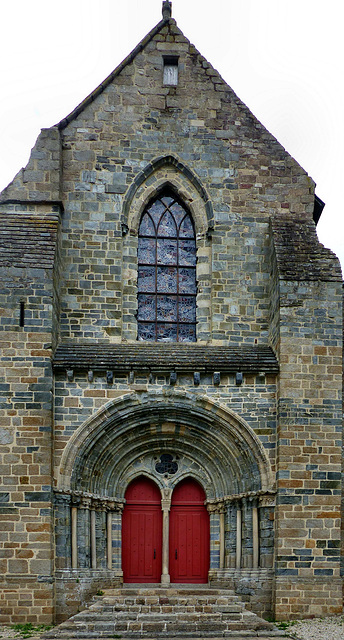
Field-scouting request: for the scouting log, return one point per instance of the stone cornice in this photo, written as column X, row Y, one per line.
column 164, row 357
column 85, row 500
column 265, row 499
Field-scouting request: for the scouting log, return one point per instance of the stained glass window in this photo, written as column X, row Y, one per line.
column 167, row 273
column 166, row 464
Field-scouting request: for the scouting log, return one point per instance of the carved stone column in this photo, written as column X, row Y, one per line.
column 255, row 533
column 230, row 534
column 109, row 539
column 83, row 532
column 100, row 507
column 166, row 495
column 222, row 511
column 75, row 502
column 238, row 536
column 247, row 538
column 93, row 540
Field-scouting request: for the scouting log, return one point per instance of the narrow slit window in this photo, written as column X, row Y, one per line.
column 171, row 71
column 21, row 314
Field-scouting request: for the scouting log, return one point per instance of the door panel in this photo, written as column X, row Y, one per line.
column 142, row 532
column 189, row 534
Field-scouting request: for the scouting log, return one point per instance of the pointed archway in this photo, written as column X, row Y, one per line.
column 189, row 534
column 142, row 532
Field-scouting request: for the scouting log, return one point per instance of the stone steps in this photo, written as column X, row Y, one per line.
column 153, row 611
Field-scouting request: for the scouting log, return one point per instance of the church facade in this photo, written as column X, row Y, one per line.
column 171, row 369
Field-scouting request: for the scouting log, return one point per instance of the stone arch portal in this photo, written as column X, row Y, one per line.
column 165, row 439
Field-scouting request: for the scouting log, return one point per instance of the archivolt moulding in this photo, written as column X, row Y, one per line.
column 125, row 430
column 167, row 172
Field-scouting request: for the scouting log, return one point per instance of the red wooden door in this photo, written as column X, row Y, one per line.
column 142, row 532
column 189, row 534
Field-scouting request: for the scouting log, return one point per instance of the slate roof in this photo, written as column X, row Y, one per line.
column 28, row 240
column 164, row 357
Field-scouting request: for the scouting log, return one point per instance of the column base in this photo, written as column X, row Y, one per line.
column 165, row 578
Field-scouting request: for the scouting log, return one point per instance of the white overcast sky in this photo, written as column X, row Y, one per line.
column 284, row 59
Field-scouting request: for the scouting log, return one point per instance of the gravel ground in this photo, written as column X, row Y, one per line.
column 9, row 633
column 316, row 629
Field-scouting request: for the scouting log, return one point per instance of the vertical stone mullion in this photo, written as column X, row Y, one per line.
column 230, row 535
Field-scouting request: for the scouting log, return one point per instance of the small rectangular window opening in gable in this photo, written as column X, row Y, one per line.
column 171, row 70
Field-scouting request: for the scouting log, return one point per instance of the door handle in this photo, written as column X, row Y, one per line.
column 176, row 554
column 154, row 554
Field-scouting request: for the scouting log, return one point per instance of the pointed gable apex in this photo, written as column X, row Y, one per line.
column 214, row 105
column 219, row 84
column 113, row 75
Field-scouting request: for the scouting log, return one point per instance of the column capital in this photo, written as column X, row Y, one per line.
column 62, row 499
column 166, row 497
column 85, row 502
column 216, row 506
column 267, row 500
column 213, row 508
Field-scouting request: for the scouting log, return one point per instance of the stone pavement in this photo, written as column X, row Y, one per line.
column 7, row 633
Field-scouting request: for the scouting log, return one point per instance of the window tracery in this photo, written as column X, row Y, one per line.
column 167, row 273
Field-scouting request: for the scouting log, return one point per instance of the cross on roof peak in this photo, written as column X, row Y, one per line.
column 166, row 9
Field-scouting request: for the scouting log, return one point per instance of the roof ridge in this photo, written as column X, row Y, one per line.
column 96, row 92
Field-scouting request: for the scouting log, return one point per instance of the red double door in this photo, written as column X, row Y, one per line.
column 142, row 533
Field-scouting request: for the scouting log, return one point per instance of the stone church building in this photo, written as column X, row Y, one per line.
column 171, row 353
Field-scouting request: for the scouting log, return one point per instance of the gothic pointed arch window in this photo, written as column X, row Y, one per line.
column 167, row 272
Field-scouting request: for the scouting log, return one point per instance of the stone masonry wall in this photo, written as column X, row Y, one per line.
column 309, row 435
column 26, row 264
column 263, row 281
column 245, row 172
column 40, row 180
column 77, row 400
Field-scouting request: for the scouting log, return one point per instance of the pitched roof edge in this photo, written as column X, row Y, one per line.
column 242, row 104
column 300, row 256
column 96, row 92
column 139, row 47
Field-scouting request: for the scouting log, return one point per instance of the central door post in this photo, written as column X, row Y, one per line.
column 165, row 506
